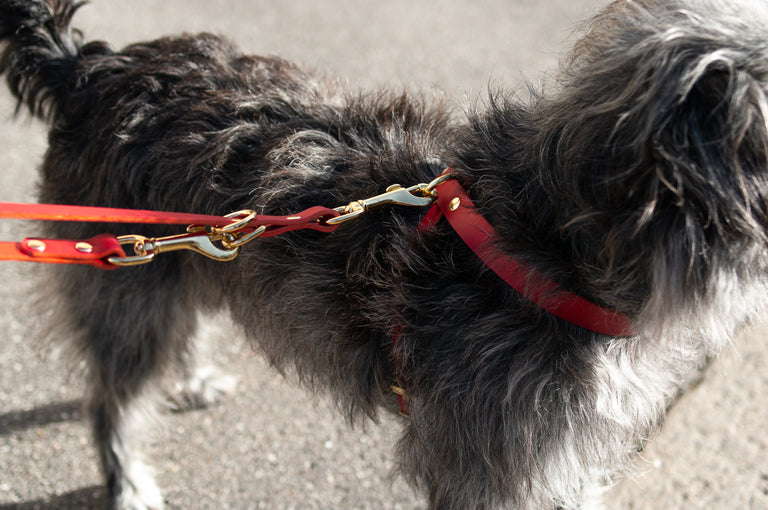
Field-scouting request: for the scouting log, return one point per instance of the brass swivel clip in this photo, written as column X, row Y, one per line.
column 416, row 196
column 197, row 240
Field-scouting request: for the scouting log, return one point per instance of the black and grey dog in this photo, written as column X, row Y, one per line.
column 640, row 183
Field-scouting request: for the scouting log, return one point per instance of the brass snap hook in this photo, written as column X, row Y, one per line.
column 395, row 195
column 145, row 248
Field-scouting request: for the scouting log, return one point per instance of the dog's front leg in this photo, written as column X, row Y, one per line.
column 130, row 483
column 132, row 326
column 201, row 384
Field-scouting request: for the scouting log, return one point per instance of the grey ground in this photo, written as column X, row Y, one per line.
column 271, row 446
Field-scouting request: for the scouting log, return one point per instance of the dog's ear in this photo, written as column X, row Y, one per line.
column 661, row 144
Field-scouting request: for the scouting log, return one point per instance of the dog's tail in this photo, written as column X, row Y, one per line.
column 39, row 51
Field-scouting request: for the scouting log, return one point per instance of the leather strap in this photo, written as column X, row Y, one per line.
column 56, row 212
column 93, row 252
column 455, row 205
column 96, row 251
column 306, row 219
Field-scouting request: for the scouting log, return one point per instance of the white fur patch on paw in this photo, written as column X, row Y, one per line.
column 140, row 492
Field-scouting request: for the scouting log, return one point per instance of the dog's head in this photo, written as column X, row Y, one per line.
column 657, row 145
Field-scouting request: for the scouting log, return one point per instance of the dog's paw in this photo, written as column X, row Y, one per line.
column 139, row 491
column 205, row 387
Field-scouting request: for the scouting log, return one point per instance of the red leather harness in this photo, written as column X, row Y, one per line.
column 455, row 206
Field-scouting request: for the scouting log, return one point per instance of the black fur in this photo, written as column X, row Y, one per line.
column 640, row 183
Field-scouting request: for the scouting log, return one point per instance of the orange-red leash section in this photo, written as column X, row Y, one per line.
column 105, row 215
column 106, row 251
column 217, row 237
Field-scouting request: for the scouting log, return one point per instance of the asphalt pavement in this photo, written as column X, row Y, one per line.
column 271, row 445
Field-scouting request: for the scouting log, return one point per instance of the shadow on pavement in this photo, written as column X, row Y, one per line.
column 87, row 498
column 56, row 412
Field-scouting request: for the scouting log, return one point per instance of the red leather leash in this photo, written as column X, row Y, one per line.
column 104, row 251
column 217, row 237
column 94, row 251
column 54, row 212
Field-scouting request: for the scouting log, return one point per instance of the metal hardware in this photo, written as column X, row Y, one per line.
column 146, row 248
column 141, row 257
column 246, row 217
column 84, row 247
column 36, row 245
column 230, row 235
column 232, row 241
column 233, row 235
column 454, row 203
column 402, row 399
column 438, row 181
column 395, row 195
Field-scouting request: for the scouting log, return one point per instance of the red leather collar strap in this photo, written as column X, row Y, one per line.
column 454, row 204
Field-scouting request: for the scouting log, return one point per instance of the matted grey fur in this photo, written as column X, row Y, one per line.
column 639, row 181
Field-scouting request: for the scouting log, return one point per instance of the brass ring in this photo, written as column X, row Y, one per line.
column 438, row 181
column 139, row 258
column 239, row 241
column 239, row 224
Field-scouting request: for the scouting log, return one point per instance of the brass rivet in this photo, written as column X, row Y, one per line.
column 454, row 204
column 83, row 247
column 36, row 245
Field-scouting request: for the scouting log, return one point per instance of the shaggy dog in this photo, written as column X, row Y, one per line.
column 639, row 184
